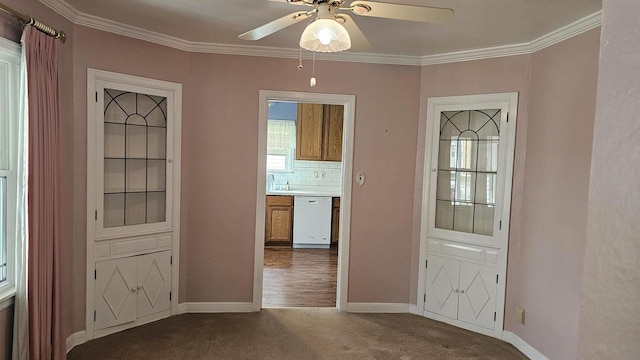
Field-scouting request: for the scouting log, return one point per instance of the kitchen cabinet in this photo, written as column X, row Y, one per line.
column 131, row 288
column 278, row 220
column 319, row 132
column 335, row 221
column 461, row 290
column 332, row 126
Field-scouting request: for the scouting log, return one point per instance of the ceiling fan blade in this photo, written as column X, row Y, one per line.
column 402, row 12
column 276, row 25
column 292, row 2
column 359, row 42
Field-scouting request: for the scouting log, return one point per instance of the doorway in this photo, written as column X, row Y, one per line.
column 284, row 212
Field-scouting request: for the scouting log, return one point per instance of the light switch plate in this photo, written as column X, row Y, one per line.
column 360, row 178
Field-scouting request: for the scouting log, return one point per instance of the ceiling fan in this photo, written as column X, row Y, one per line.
column 334, row 30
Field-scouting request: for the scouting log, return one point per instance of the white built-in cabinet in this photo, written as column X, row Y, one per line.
column 132, row 287
column 465, row 210
column 133, row 183
column 462, row 290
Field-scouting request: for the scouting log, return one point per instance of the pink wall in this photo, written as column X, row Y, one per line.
column 609, row 321
column 6, row 332
column 9, row 27
column 556, row 188
column 220, row 132
column 550, row 185
column 223, row 135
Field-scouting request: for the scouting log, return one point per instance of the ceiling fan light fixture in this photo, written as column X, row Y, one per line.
column 325, row 35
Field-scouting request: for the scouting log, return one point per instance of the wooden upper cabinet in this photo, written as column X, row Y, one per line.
column 332, row 145
column 319, row 132
column 309, row 132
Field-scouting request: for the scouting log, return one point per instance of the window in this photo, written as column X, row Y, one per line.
column 9, row 107
column 3, row 228
column 281, row 145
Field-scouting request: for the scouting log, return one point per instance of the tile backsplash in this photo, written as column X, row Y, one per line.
column 311, row 173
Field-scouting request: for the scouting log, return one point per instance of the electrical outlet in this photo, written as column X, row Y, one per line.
column 520, row 315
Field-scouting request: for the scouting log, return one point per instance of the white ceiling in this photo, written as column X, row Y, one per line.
column 476, row 24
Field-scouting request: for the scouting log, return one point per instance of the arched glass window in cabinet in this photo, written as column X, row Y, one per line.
column 135, row 148
column 468, row 170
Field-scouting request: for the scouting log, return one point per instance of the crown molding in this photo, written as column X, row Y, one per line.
column 575, row 28
column 476, row 54
column 79, row 18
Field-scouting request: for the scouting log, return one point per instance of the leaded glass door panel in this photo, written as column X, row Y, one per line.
column 135, row 132
column 134, row 155
column 467, row 172
column 467, row 169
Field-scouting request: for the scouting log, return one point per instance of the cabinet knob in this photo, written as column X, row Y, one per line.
column 133, row 290
column 139, row 287
column 170, row 161
column 455, row 290
column 461, row 291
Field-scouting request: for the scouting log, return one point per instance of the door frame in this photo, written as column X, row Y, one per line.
column 349, row 102
column 434, row 105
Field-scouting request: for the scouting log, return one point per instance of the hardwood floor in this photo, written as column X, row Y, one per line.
column 299, row 277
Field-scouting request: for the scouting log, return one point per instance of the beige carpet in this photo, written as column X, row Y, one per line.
column 296, row 333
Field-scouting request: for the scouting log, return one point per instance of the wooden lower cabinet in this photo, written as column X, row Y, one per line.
column 279, row 220
column 335, row 221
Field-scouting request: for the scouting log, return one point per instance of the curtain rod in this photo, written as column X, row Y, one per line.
column 28, row 20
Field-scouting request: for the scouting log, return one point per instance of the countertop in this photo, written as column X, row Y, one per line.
column 316, row 191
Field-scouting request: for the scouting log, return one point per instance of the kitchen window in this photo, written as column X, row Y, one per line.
column 281, row 145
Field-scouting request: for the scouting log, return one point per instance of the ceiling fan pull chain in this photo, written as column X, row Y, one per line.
column 300, row 64
column 312, row 81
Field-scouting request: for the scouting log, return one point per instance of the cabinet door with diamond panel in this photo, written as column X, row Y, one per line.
column 443, row 277
column 477, row 294
column 116, row 288
column 154, row 283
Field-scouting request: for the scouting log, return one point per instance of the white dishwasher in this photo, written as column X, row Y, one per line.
column 312, row 222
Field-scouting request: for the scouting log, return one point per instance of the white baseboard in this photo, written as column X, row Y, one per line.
column 415, row 310
column 214, row 307
column 378, row 307
column 522, row 345
column 75, row 339
column 182, row 308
